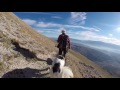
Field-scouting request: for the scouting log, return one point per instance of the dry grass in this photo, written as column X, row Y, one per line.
column 83, row 59
column 15, row 30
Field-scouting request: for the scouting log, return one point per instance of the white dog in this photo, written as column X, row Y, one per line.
column 58, row 69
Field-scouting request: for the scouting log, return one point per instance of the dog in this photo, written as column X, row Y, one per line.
column 59, row 70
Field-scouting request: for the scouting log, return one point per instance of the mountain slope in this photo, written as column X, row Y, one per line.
column 26, row 53
column 106, row 59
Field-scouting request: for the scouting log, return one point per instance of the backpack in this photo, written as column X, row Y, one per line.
column 64, row 41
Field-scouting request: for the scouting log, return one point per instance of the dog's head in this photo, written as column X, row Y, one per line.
column 56, row 68
column 58, row 64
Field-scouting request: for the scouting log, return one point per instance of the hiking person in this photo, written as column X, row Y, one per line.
column 63, row 43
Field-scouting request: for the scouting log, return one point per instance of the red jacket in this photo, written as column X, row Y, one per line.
column 60, row 39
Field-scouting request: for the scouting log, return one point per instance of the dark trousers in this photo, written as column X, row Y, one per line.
column 63, row 51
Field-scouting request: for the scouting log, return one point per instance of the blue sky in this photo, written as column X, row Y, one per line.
column 97, row 26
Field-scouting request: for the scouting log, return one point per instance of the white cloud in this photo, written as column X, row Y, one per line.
column 110, row 35
column 43, row 13
column 70, row 31
column 55, row 31
column 78, row 18
column 107, row 25
column 50, row 29
column 29, row 21
column 118, row 29
column 43, row 24
column 82, row 27
column 97, row 28
column 57, row 17
column 87, row 34
column 94, row 36
column 50, row 24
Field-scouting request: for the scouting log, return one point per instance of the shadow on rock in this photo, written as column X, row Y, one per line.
column 26, row 73
column 25, row 52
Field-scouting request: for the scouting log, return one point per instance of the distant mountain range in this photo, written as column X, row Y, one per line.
column 104, row 54
column 98, row 44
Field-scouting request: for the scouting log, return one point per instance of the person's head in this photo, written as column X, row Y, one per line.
column 63, row 31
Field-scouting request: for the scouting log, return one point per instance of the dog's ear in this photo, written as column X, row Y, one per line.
column 61, row 57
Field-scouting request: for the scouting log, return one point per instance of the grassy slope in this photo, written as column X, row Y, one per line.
column 89, row 62
column 49, row 45
column 34, row 34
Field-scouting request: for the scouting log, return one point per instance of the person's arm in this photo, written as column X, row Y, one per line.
column 58, row 40
column 69, row 42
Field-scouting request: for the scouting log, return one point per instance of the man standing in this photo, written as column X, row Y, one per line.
column 63, row 43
